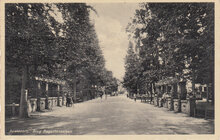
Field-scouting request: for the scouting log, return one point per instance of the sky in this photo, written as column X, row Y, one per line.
column 110, row 24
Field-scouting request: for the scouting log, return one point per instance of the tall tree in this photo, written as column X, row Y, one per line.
column 28, row 40
column 130, row 81
column 80, row 51
column 175, row 46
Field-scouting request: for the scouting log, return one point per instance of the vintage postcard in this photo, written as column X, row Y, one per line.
column 109, row 70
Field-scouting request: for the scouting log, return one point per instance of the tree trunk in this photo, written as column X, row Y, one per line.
column 151, row 93
column 74, row 86
column 35, row 82
column 23, row 109
column 207, row 93
column 193, row 82
column 137, row 87
column 154, row 87
column 213, row 93
column 150, row 86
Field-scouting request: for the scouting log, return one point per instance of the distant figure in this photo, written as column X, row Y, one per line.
column 135, row 97
column 69, row 101
column 101, row 95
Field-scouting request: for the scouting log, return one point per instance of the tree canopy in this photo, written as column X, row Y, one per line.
column 174, row 40
column 54, row 40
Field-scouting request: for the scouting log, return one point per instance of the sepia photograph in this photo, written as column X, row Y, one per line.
column 140, row 68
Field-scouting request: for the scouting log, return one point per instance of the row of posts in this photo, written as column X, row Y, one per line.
column 39, row 103
column 177, row 100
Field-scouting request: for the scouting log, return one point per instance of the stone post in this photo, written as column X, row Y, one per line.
column 13, row 109
column 39, row 93
column 41, row 104
column 177, row 105
column 169, row 103
column 184, row 106
column 47, row 94
column 59, row 97
column 33, row 104
column 191, row 105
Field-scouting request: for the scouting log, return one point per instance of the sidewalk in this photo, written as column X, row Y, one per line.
column 117, row 115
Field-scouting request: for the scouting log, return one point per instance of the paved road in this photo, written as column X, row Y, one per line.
column 114, row 116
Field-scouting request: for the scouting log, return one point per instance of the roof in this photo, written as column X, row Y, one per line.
column 167, row 81
column 50, row 80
